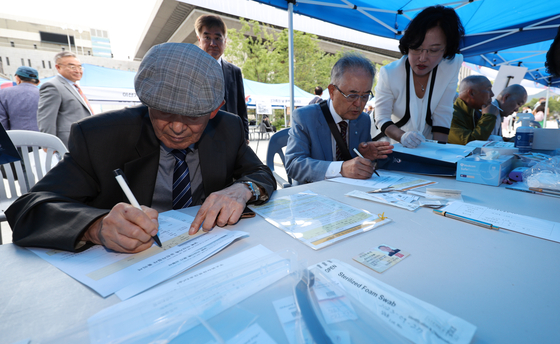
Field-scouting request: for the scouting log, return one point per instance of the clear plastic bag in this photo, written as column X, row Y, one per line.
column 544, row 174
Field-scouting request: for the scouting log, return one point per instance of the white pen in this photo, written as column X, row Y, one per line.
column 124, row 186
column 361, row 156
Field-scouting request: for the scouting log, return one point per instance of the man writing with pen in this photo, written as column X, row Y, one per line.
column 175, row 151
column 332, row 138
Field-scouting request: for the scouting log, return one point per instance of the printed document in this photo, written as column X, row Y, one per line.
column 533, row 226
column 107, row 272
column 179, row 305
column 386, row 179
column 443, row 152
column 416, row 320
column 315, row 220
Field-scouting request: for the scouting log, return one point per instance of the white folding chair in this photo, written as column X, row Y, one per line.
column 36, row 164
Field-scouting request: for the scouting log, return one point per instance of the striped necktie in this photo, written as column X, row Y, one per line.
column 343, row 126
column 84, row 97
column 182, row 196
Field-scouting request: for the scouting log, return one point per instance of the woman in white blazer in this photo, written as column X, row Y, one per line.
column 414, row 95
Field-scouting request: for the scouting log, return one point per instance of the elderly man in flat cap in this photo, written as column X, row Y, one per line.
column 176, row 150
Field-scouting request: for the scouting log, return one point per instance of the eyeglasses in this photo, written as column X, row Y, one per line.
column 353, row 97
column 72, row 66
column 210, row 39
column 430, row 52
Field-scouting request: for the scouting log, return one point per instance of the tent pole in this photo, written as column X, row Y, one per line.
column 546, row 105
column 291, row 51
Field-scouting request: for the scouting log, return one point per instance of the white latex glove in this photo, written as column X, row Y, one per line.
column 412, row 139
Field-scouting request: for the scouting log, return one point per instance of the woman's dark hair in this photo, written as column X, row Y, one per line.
column 553, row 57
column 430, row 17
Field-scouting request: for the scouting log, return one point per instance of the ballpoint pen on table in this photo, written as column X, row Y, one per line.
column 361, row 156
column 119, row 176
column 546, row 191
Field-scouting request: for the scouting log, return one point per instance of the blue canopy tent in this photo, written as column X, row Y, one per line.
column 275, row 94
column 490, row 26
column 105, row 85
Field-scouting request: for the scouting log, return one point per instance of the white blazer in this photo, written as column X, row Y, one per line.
column 390, row 97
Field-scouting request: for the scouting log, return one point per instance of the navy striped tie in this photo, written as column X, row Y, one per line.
column 343, row 126
column 182, row 196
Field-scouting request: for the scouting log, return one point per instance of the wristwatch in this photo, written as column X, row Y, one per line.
column 254, row 190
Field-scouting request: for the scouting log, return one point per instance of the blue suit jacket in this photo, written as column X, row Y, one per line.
column 309, row 149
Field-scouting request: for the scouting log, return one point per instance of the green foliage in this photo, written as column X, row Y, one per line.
column 263, row 56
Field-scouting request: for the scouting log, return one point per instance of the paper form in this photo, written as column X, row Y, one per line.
column 403, row 201
column 443, row 152
column 505, row 220
column 384, row 180
column 418, row 321
column 287, row 313
column 180, row 305
column 315, row 220
column 107, row 271
column 254, row 334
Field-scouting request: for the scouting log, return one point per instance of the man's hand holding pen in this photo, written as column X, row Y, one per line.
column 125, row 229
column 363, row 166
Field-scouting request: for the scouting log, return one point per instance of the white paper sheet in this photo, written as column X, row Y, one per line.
column 448, row 152
column 315, row 220
column 418, row 321
column 107, row 271
column 179, row 305
column 387, row 198
column 518, row 223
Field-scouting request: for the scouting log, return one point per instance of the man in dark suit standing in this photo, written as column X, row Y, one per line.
column 212, row 38
column 176, row 150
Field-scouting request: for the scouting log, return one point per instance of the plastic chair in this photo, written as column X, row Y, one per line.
column 278, row 141
column 36, row 163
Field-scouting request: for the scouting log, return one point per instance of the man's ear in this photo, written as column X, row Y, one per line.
column 331, row 90
column 213, row 114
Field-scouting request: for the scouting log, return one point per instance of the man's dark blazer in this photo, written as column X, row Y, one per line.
column 82, row 187
column 235, row 93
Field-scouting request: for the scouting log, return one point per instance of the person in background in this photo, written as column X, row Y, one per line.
column 538, row 111
column 177, row 150
column 474, row 117
column 18, row 105
column 318, row 94
column 552, row 63
column 212, row 38
column 508, row 102
column 61, row 101
column 313, row 152
column 414, row 95
column 267, row 126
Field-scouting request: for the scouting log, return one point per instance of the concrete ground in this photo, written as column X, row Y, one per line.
column 259, row 146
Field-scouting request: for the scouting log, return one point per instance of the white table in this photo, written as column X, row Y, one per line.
column 504, row 283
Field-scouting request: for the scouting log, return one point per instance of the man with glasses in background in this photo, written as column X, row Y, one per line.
column 61, row 100
column 324, row 136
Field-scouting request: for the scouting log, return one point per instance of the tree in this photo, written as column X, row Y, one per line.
column 262, row 54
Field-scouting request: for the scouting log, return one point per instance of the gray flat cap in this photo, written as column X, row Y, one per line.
column 181, row 79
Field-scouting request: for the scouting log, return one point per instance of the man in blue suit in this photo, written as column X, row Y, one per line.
column 313, row 152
